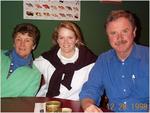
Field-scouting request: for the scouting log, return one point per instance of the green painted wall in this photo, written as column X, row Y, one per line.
column 93, row 15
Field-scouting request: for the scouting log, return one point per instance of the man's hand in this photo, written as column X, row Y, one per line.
column 88, row 105
column 93, row 108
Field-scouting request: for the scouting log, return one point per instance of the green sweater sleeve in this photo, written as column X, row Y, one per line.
column 33, row 86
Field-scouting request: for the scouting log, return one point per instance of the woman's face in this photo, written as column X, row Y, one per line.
column 23, row 44
column 66, row 41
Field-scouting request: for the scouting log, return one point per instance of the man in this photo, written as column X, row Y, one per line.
column 122, row 71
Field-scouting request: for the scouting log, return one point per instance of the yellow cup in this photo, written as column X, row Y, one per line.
column 53, row 106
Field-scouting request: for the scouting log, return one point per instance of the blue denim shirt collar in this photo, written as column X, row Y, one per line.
column 134, row 53
column 8, row 53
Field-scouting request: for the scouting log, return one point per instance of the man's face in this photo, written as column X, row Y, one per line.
column 121, row 35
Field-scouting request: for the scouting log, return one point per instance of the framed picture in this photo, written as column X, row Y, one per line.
column 51, row 9
column 111, row 1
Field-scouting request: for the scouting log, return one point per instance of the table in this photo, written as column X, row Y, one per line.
column 26, row 104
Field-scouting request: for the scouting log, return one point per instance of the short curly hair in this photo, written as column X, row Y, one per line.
column 29, row 28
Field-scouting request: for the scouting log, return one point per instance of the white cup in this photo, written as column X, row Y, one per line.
column 66, row 110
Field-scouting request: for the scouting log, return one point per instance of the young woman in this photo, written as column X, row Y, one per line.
column 67, row 65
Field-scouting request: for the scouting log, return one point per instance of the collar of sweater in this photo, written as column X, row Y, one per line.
column 65, row 60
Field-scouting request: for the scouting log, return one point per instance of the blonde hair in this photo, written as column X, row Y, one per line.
column 71, row 26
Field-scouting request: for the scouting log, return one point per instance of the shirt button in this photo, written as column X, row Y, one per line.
column 10, row 71
column 122, row 76
column 125, row 102
column 124, row 90
column 122, row 63
column 11, row 64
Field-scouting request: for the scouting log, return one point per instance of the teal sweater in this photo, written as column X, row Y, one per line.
column 24, row 81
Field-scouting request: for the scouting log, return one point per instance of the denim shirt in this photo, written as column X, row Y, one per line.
column 126, row 83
